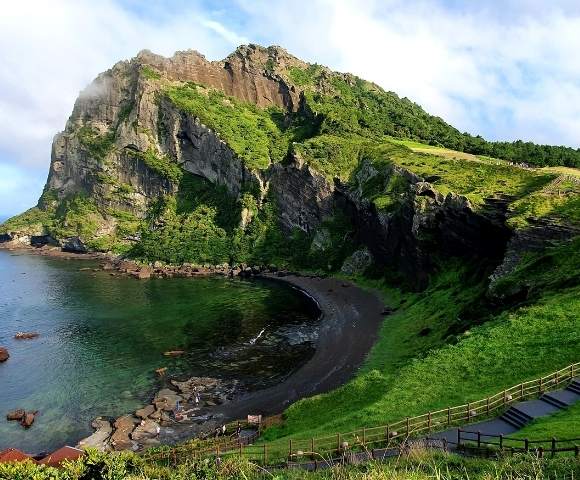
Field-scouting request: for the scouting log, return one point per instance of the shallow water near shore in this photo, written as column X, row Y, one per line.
column 102, row 337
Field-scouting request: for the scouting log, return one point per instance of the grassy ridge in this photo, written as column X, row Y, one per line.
column 348, row 104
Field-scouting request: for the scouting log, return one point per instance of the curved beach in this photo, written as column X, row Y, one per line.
column 349, row 326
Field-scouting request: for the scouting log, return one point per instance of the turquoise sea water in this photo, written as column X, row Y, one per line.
column 102, row 337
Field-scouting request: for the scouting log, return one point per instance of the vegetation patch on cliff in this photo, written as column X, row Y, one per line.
column 160, row 164
column 97, row 145
column 259, row 136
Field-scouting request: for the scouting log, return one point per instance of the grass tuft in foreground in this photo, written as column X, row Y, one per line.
column 417, row 465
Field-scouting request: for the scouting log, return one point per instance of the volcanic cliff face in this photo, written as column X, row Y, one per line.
column 138, row 128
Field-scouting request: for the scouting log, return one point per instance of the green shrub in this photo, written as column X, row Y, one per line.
column 161, row 164
column 96, row 144
column 150, row 73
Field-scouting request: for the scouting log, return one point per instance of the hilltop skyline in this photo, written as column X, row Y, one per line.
column 501, row 73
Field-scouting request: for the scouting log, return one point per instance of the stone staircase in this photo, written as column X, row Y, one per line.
column 523, row 413
column 519, row 414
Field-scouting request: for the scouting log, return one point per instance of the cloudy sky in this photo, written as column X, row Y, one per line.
column 505, row 69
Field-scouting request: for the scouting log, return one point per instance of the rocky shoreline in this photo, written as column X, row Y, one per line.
column 188, row 402
column 119, row 265
column 185, row 270
column 199, row 407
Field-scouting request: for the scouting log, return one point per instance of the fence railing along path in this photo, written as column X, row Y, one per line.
column 484, row 444
column 369, row 437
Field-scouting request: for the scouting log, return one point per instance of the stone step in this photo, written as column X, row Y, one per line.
column 574, row 387
column 516, row 417
column 553, row 400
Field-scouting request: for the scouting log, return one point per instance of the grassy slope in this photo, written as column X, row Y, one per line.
column 407, row 375
column 541, row 192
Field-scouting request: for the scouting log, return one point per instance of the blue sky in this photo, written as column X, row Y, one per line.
column 503, row 69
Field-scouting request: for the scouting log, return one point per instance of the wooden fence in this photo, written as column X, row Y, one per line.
column 483, row 444
column 367, row 438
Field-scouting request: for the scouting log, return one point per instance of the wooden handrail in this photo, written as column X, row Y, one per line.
column 401, row 429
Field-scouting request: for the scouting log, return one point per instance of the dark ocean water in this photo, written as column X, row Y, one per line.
column 102, row 337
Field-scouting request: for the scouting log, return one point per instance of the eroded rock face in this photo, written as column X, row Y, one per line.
column 305, row 198
column 421, row 223
column 540, row 233
column 128, row 102
column 358, row 262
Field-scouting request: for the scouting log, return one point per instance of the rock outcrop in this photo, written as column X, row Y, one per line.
column 100, row 439
column 4, row 355
column 128, row 142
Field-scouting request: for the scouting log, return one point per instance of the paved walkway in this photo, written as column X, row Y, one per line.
column 518, row 415
column 515, row 418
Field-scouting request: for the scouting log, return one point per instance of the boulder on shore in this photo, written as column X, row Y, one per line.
column 147, row 430
column 124, row 426
column 17, row 414
column 166, row 399
column 100, row 438
column 74, row 245
column 4, row 355
column 28, row 419
column 145, row 411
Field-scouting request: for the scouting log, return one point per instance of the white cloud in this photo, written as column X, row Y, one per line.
column 49, row 51
column 503, row 69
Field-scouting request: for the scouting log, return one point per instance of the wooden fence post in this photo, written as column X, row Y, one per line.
column 553, row 447
column 478, row 439
column 429, row 421
column 468, row 413
column 501, row 441
column 448, row 415
column 364, row 435
column 541, row 452
column 522, row 389
column 527, row 444
column 290, row 448
column 540, row 390
column 312, row 446
column 387, row 433
column 487, row 405
column 408, row 426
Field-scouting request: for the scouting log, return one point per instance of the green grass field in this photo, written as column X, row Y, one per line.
column 425, row 359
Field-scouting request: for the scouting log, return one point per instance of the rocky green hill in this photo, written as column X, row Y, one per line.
column 264, row 159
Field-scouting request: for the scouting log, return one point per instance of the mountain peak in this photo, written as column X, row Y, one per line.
column 271, row 58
